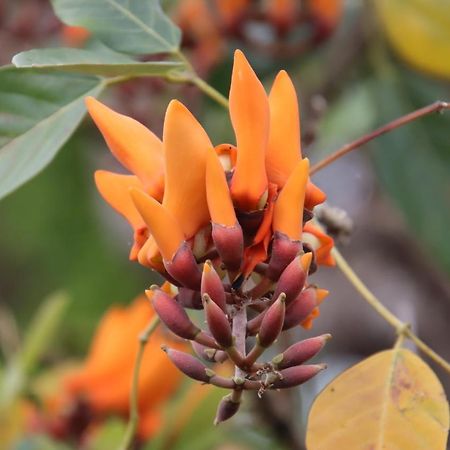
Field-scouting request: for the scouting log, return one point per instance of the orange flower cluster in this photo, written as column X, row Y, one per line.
column 100, row 387
column 244, row 211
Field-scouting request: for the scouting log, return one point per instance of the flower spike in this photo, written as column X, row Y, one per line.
column 135, row 146
column 249, row 111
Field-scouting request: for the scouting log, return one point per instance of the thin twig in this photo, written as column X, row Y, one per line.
column 347, row 148
column 133, row 420
column 400, row 327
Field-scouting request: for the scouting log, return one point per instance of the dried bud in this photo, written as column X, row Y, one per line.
column 302, row 306
column 227, row 408
column 212, row 285
column 183, row 268
column 300, row 352
column 172, row 313
column 218, row 323
column 189, row 365
column 293, row 376
column 189, row 298
column 293, row 278
column 272, row 322
column 284, row 250
column 229, row 242
column 209, row 354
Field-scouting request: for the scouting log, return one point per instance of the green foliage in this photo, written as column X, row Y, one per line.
column 39, row 112
column 135, row 27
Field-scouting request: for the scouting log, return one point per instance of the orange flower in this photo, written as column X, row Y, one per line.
column 104, row 379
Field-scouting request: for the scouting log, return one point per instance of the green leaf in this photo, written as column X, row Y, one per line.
column 135, row 27
column 106, row 63
column 38, row 113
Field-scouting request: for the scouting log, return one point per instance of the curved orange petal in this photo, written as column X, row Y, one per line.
column 283, row 150
column 227, row 154
column 249, row 111
column 218, row 195
column 161, row 223
column 186, row 146
column 136, row 147
column 115, row 189
column 288, row 212
column 321, row 243
column 314, row 196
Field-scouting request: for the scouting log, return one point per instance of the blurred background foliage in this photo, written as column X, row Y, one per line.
column 380, row 60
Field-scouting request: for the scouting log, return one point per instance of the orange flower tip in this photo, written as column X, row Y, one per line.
column 207, row 266
column 321, row 294
column 306, row 260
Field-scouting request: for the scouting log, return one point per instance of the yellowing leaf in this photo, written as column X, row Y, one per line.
column 390, row 401
column 419, row 31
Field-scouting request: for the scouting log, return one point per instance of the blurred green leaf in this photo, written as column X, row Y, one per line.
column 136, row 27
column 91, row 62
column 108, row 435
column 38, row 114
column 40, row 442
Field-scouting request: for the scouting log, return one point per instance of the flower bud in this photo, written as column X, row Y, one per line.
column 293, row 376
column 209, row 354
column 302, row 306
column 293, row 278
column 300, row 352
column 212, row 285
column 189, row 365
column 272, row 322
column 183, row 268
column 218, row 323
column 284, row 250
column 229, row 242
column 227, row 408
column 172, row 313
column 188, row 298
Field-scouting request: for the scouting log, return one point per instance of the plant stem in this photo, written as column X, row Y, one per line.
column 134, row 395
column 400, row 327
column 347, row 148
column 210, row 91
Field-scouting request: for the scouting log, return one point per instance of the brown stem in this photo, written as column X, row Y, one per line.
column 347, row 148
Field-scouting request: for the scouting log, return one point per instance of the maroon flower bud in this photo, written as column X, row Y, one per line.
column 293, row 278
column 184, row 269
column 284, row 250
column 227, row 408
column 212, row 285
column 293, row 376
column 229, row 242
column 272, row 322
column 300, row 352
column 189, row 365
column 172, row 313
column 208, row 353
column 218, row 323
column 303, row 306
column 188, row 298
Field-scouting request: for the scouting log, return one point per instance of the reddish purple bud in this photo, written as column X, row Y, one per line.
column 227, row 408
column 300, row 352
column 172, row 313
column 293, row 376
column 184, row 269
column 229, row 242
column 188, row 298
column 212, row 285
column 189, row 365
column 272, row 322
column 254, row 324
column 284, row 250
column 293, row 278
column 303, row 306
column 208, row 353
column 218, row 323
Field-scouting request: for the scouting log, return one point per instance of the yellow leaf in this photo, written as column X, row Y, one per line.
column 419, row 31
column 390, row 401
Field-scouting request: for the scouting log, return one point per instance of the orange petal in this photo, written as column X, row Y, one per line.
column 321, row 243
column 283, row 151
column 115, row 189
column 288, row 213
column 217, row 192
column 161, row 223
column 186, row 147
column 249, row 111
column 136, row 147
column 227, row 154
column 314, row 196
